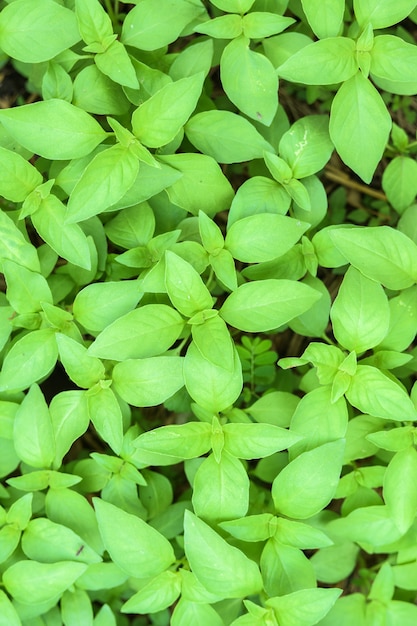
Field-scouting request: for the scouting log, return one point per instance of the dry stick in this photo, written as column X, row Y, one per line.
column 344, row 180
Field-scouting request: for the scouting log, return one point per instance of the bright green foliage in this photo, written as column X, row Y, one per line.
column 208, row 326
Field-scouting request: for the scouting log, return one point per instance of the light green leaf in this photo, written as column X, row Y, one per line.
column 115, row 63
column 74, row 132
column 360, row 313
column 325, row 18
column 223, row 27
column 14, row 246
column 359, row 125
column 25, row 289
column 263, row 237
column 370, row 526
column 256, row 441
column 93, row 22
column 8, row 614
column 160, row 593
column 76, row 606
column 70, row 420
column 233, row 6
column 107, row 97
column 212, row 386
column 185, row 288
column 221, row 568
column 267, row 304
column 146, row 331
column 393, row 59
column 318, row 420
column 372, row 392
column 135, row 547
column 187, row 612
column 184, row 441
column 403, row 321
column 325, row 62
column 158, row 120
column 99, row 304
column 226, row 137
column 285, row 569
column 25, row 32
column 399, row 181
column 19, row 177
column 31, row 358
column 308, row 483
column 260, row 24
column 104, row 182
column 202, row 186
column 106, row 415
column 221, row 489
column 239, row 65
column 196, row 57
column 83, row 369
column 305, row 607
column 306, row 146
column 33, row 435
column 150, row 381
column 147, row 29
column 31, row 582
column 48, row 542
column 401, row 613
column 213, row 341
column 382, row 13
column 400, row 488
column 258, row 195
column 68, row 240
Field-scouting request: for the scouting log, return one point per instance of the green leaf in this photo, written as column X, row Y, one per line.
column 25, row 289
column 158, row 120
column 107, row 98
column 25, row 32
column 371, row 526
column 285, row 569
column 325, row 62
column 196, row 57
column 267, row 304
column 76, row 607
column 135, row 547
column 146, row 331
column 221, row 568
column 233, row 6
column 226, row 137
column 187, row 612
column 93, row 22
column 160, row 593
column 318, row 420
column 202, row 186
column 221, row 489
column 260, row 24
column 33, row 435
column 305, row 607
column 263, row 237
column 403, row 321
column 19, row 177
column 105, row 180
column 380, row 253
column 308, row 483
column 48, row 542
column 401, row 613
column 399, row 182
column 99, row 304
column 74, row 133
column 306, row 146
column 70, row 420
column 360, row 314
column 212, row 386
column 393, row 59
column 256, row 441
column 14, row 246
column 150, row 381
column 8, row 614
column 115, row 63
column 31, row 358
column 185, row 441
column 258, row 195
column 106, row 415
column 31, row 582
column 371, row 391
column 241, row 65
column 223, row 27
column 400, row 489
column 68, row 240
column 83, row 369
column 359, row 125
column 185, row 288
column 335, row 563
column 381, row 13
column 147, row 29
column 325, row 18
column 213, row 340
